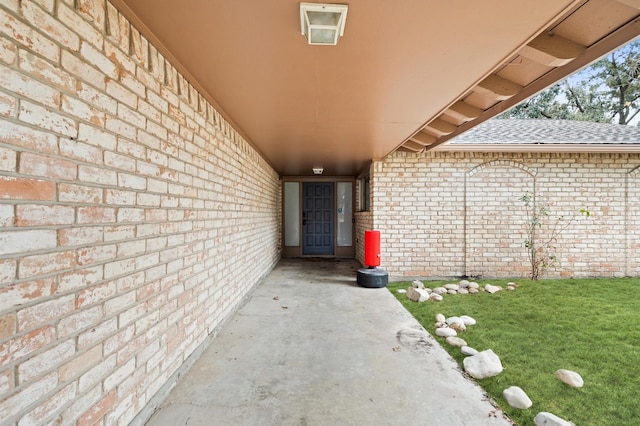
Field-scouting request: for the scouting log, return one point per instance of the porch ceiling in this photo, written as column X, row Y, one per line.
column 406, row 75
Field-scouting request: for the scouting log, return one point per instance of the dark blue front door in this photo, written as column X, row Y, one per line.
column 317, row 218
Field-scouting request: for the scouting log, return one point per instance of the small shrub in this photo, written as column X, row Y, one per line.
column 541, row 251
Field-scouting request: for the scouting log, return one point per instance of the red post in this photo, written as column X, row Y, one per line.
column 372, row 248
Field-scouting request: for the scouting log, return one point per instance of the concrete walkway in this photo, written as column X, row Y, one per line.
column 310, row 347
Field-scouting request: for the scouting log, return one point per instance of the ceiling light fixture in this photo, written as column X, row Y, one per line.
column 317, row 170
column 323, row 24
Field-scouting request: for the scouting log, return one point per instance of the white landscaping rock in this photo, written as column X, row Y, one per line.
column 468, row 350
column 571, row 378
column 463, row 283
column 440, row 290
column 458, row 326
column 473, row 284
column 473, row 290
column 417, row 294
column 435, row 297
column 484, row 364
column 455, row 341
column 456, row 323
column 440, row 318
column 451, row 287
column 547, row 419
column 492, row 288
column 452, row 292
column 402, row 291
column 417, row 284
column 517, row 398
column 467, row 320
column 452, row 320
column 445, row 332
column 463, row 291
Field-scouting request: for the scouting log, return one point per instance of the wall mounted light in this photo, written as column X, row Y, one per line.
column 323, row 24
column 317, row 170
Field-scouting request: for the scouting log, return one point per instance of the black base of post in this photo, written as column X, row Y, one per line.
column 372, row 277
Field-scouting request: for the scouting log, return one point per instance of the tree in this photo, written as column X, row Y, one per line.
column 607, row 91
column 618, row 74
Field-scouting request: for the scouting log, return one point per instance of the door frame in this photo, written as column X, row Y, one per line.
column 339, row 251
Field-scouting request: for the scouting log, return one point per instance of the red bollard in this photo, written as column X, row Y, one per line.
column 372, row 248
column 371, row 276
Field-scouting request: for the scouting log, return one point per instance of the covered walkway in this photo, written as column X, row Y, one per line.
column 310, row 347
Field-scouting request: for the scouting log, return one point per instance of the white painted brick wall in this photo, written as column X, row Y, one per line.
column 456, row 214
column 133, row 218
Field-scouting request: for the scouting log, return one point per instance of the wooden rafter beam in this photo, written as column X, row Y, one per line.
column 552, row 50
column 439, row 127
column 463, row 111
column 423, row 138
column 413, row 146
column 500, row 88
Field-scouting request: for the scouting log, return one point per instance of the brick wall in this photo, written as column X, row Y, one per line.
column 494, row 218
column 133, row 218
column 633, row 218
column 363, row 221
column 447, row 214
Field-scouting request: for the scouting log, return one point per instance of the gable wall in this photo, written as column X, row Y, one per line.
column 133, row 218
column 459, row 214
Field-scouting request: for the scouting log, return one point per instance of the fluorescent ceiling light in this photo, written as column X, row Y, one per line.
column 322, row 24
column 317, row 170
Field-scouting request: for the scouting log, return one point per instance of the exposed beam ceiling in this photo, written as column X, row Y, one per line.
column 555, row 53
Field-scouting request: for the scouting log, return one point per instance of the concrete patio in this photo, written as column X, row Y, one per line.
column 310, row 347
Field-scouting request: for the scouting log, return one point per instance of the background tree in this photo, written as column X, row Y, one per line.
column 608, row 91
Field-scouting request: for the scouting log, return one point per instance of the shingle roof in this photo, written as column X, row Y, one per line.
column 530, row 131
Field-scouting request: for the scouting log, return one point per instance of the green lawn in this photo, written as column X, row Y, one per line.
column 591, row 326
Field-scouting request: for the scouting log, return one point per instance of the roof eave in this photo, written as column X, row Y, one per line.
column 555, row 148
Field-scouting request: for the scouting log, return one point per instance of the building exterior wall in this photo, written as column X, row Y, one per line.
column 633, row 218
column 133, row 218
column 363, row 222
column 449, row 214
column 363, row 219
